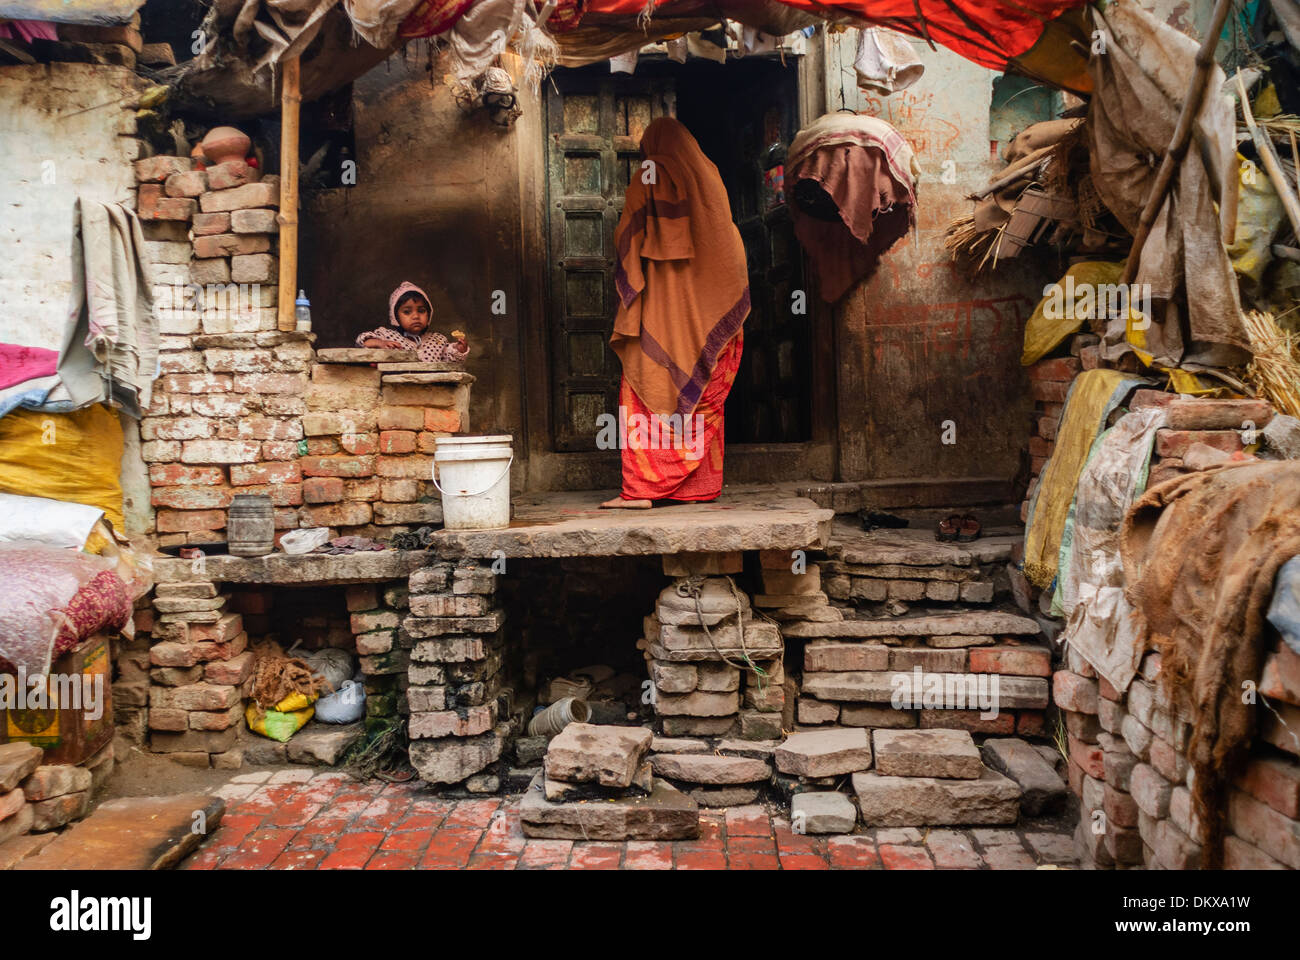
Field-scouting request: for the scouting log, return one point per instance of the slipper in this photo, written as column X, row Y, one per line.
column 968, row 528
column 949, row 528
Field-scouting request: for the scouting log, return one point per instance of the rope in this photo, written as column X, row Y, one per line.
column 693, row 586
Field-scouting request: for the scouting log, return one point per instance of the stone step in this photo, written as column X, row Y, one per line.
column 948, row 754
column 666, row 814
column 925, row 624
column 1041, row 786
column 825, row 753
column 914, row 547
column 868, row 686
column 885, row 801
column 133, row 833
column 710, row 769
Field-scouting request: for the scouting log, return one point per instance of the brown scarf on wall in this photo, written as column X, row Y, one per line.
column 1201, row 554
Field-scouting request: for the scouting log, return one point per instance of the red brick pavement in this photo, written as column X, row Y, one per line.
column 284, row 821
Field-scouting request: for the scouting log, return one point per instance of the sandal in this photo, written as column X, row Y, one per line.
column 949, row 528
column 968, row 528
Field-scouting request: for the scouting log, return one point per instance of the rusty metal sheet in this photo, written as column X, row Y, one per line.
column 96, row 12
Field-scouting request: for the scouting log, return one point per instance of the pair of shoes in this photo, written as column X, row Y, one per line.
column 959, row 526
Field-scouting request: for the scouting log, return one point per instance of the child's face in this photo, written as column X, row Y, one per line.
column 413, row 315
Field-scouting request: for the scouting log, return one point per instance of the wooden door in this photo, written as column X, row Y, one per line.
column 593, row 133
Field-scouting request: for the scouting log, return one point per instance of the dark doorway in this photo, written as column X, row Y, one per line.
column 744, row 114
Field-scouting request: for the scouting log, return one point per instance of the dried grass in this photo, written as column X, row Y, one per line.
column 969, row 247
column 1275, row 369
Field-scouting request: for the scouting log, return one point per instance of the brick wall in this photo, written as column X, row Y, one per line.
column 242, row 407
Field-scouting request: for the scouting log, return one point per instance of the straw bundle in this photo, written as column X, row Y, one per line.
column 971, row 248
column 1275, row 369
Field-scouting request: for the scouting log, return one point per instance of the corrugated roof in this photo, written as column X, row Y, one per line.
column 99, row 12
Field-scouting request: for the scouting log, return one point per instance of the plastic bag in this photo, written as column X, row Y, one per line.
column 332, row 664
column 304, row 541
column 39, row 582
column 1062, row 312
column 278, row 724
column 42, row 520
column 346, row 705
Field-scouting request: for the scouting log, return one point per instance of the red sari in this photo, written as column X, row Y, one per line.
column 677, row 473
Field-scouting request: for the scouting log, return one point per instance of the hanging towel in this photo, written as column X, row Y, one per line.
column 885, row 61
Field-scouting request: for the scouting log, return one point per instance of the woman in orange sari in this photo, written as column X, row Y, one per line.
column 683, row 289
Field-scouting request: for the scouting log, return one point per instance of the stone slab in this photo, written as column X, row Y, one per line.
column 929, row 801
column 14, row 852
column 666, row 814
column 950, row 754
column 375, row 565
column 1040, row 785
column 428, row 376
column 17, row 762
column 323, row 744
column 823, row 812
column 967, row 623
column 588, row 753
column 133, row 833
column 710, row 769
column 864, row 686
column 419, row 366
column 363, row 355
column 914, row 547
column 573, row 525
column 825, row 753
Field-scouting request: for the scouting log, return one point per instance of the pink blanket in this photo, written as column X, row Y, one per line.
column 19, row 364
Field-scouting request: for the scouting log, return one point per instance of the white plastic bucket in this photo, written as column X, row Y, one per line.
column 473, row 476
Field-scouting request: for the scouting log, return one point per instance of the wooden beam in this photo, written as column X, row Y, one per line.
column 290, row 104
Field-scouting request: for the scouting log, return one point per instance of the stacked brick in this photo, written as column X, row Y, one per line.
column 461, row 711
column 376, row 613
column 702, row 681
column 1049, row 384
column 853, row 666
column 201, row 675
column 131, row 677
column 1128, row 764
column 368, row 465
column 36, row 798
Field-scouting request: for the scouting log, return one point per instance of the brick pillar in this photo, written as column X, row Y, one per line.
column 459, row 706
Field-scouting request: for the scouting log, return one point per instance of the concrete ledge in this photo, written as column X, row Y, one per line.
column 375, row 566
column 573, row 525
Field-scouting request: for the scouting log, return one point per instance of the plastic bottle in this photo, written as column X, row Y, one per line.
column 302, row 312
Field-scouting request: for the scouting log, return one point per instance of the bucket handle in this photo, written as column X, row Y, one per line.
column 448, row 493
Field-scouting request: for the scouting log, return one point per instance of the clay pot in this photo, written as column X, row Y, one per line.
column 225, row 143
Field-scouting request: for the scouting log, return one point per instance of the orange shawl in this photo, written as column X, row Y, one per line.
column 682, row 281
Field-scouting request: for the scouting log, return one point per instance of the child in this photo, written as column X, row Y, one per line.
column 409, row 311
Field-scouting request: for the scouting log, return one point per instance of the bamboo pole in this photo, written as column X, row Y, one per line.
column 1182, row 136
column 1264, row 147
column 290, row 103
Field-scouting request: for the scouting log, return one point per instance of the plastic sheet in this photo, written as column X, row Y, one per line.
column 40, row 582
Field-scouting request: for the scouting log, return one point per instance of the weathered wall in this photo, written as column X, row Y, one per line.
column 436, row 202
column 67, row 130
column 53, row 149
column 918, row 343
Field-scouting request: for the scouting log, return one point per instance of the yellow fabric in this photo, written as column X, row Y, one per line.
column 73, row 457
column 1267, row 103
column 1058, row 315
column 1080, row 423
